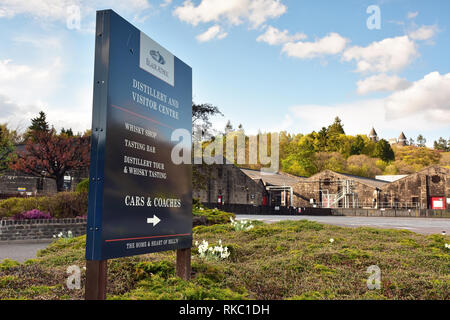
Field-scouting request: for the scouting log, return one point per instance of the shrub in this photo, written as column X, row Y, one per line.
column 83, row 186
column 31, row 215
column 61, row 205
column 7, row 264
column 214, row 216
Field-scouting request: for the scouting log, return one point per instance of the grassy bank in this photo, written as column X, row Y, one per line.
column 285, row 260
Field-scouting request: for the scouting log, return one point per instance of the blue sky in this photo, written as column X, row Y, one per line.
column 267, row 64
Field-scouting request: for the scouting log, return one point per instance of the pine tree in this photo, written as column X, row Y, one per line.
column 336, row 128
column 384, row 151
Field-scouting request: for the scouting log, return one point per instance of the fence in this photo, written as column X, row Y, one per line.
column 268, row 210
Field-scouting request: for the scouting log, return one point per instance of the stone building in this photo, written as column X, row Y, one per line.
column 14, row 183
column 227, row 184
column 279, row 186
column 17, row 184
column 420, row 189
column 401, row 141
column 373, row 136
column 329, row 189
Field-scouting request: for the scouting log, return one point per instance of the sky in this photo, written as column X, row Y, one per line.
column 269, row 65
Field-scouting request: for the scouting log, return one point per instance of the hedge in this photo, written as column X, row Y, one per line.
column 61, row 205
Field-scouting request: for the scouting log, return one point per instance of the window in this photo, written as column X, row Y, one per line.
column 436, row 179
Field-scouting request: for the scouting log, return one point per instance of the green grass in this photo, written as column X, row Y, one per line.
column 286, row 260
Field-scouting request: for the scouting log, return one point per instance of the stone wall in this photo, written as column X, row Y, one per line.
column 419, row 187
column 418, row 213
column 330, row 182
column 231, row 183
column 40, row 229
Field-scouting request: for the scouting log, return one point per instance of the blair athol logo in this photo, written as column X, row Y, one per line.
column 157, row 57
column 156, row 60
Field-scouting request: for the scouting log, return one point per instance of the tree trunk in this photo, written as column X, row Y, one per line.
column 60, row 183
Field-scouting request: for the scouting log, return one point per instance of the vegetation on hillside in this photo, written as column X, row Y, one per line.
column 330, row 148
column 284, row 260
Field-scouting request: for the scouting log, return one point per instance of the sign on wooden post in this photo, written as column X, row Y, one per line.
column 140, row 201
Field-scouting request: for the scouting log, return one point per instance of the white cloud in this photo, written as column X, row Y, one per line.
column 273, row 36
column 27, row 89
column 256, row 12
column 212, row 33
column 425, row 105
column 390, row 54
column 165, row 3
column 423, row 33
column 429, row 96
column 332, row 43
column 24, row 84
column 381, row 82
column 412, row 15
column 57, row 10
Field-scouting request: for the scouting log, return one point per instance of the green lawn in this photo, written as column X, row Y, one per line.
column 285, row 260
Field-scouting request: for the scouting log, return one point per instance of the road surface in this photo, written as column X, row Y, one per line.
column 419, row 225
column 21, row 251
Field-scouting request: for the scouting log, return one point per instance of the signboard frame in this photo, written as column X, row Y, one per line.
column 96, row 254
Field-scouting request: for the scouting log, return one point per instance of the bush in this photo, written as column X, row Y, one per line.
column 32, row 214
column 214, row 216
column 61, row 205
column 83, row 186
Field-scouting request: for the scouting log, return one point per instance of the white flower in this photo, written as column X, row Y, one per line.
column 447, row 246
column 331, row 240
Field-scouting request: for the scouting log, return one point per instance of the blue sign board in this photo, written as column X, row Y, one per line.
column 140, row 201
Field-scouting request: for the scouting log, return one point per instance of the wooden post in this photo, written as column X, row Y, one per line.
column 96, row 280
column 184, row 263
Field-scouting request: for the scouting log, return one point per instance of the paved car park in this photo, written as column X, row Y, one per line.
column 21, row 250
column 419, row 225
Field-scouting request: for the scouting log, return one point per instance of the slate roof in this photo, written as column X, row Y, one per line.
column 277, row 179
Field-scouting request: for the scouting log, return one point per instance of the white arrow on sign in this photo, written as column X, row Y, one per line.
column 155, row 220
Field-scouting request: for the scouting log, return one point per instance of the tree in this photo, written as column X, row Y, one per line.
column 51, row 155
column 201, row 123
column 228, row 127
column 336, row 128
column 38, row 124
column 384, row 151
column 421, row 141
column 363, row 166
column 329, row 160
column 441, row 145
column 6, row 147
column 357, row 146
column 67, row 132
column 201, row 114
